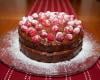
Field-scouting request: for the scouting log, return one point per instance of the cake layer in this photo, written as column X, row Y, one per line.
column 50, row 57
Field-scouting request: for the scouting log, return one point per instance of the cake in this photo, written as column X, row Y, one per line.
column 50, row 36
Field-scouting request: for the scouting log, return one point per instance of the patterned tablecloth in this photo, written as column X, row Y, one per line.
column 8, row 73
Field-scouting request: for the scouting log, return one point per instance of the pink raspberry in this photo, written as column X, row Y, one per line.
column 61, row 21
column 24, row 28
column 21, row 23
column 55, row 21
column 68, row 29
column 34, row 22
column 76, row 30
column 29, row 24
column 77, row 22
column 47, row 23
column 60, row 16
column 35, row 15
column 42, row 17
column 59, row 36
column 44, row 34
column 51, row 18
column 50, row 37
column 36, row 39
column 79, row 26
column 47, row 14
column 32, row 31
column 24, row 18
column 30, row 18
column 72, row 17
column 69, row 36
column 66, row 17
column 71, row 22
column 55, row 28
column 39, row 27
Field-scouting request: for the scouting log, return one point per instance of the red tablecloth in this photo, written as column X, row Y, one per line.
column 8, row 73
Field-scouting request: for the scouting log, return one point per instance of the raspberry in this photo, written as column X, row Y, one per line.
column 34, row 22
column 30, row 18
column 66, row 17
column 72, row 17
column 77, row 22
column 51, row 18
column 24, row 19
column 21, row 23
column 71, row 23
column 47, row 23
column 24, row 28
column 69, row 36
column 61, row 21
column 76, row 30
column 29, row 24
column 39, row 27
column 55, row 28
column 42, row 17
column 32, row 32
column 59, row 36
column 60, row 16
column 50, row 37
column 36, row 39
column 55, row 21
column 44, row 34
column 79, row 26
column 35, row 15
column 68, row 29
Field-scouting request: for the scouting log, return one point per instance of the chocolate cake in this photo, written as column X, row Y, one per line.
column 50, row 36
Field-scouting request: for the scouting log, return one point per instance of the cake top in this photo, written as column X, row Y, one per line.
column 50, row 27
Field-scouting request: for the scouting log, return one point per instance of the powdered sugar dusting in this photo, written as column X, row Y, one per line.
column 10, row 54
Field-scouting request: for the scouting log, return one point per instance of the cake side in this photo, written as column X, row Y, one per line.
column 50, row 57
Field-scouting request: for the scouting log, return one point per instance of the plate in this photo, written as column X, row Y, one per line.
column 11, row 55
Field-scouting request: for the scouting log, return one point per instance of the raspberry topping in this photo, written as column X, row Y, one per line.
column 29, row 24
column 55, row 21
column 44, row 34
column 68, row 29
column 47, row 23
column 76, row 30
column 77, row 22
column 35, row 15
column 24, row 28
column 39, row 27
column 71, row 23
column 79, row 26
column 30, row 18
column 50, row 37
column 21, row 23
column 66, row 17
column 34, row 22
column 55, row 28
column 31, row 31
column 59, row 36
column 51, row 26
column 36, row 38
column 69, row 36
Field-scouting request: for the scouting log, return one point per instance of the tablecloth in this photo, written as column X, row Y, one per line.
column 9, row 73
